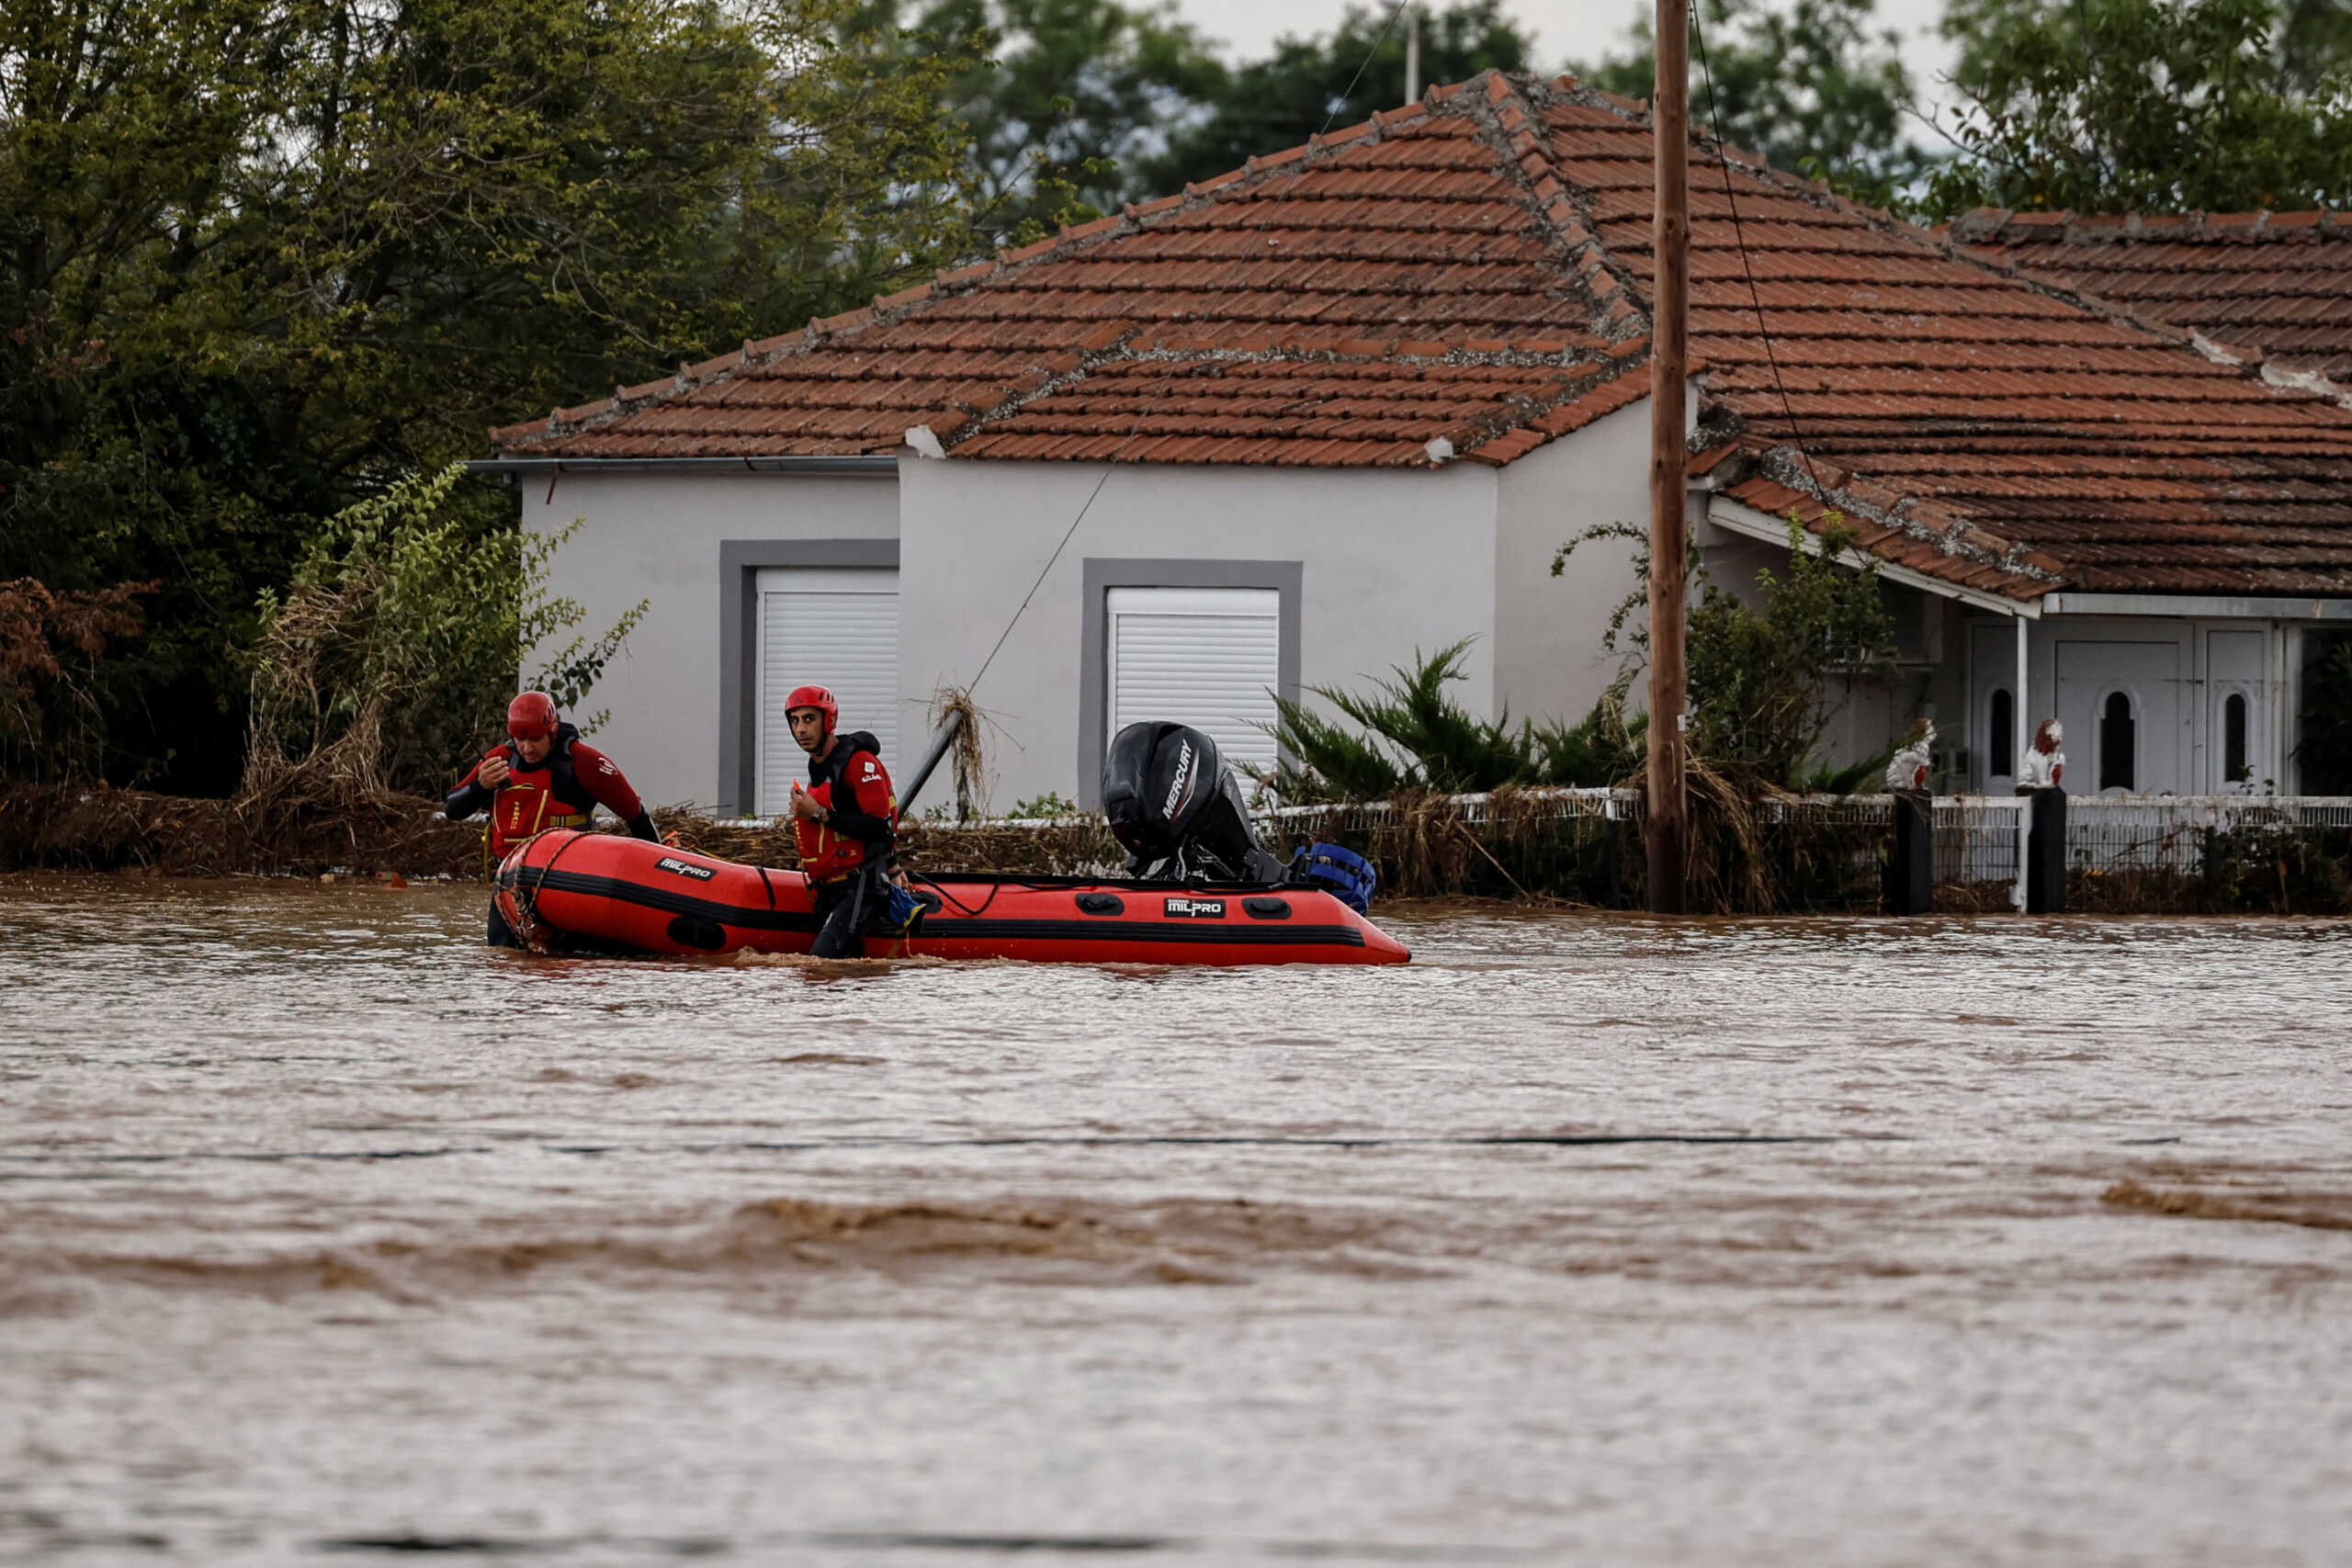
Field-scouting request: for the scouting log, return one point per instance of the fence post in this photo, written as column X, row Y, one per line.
column 1613, row 852
column 1911, row 860
column 2045, row 887
column 2019, row 896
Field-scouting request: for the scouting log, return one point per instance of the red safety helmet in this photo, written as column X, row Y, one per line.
column 815, row 698
column 531, row 715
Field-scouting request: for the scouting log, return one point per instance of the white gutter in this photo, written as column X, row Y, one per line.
column 1741, row 518
column 856, row 466
column 2212, row 606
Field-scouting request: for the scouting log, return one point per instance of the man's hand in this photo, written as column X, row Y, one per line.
column 805, row 804
column 492, row 774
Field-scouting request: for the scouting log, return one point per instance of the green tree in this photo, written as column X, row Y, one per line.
column 1763, row 667
column 2153, row 105
column 2313, row 42
column 1061, row 99
column 261, row 258
column 1816, row 89
column 1761, row 675
column 1338, row 78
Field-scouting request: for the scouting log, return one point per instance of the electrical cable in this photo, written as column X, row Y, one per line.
column 1739, row 241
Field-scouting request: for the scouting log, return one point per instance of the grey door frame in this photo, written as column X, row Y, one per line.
column 739, row 562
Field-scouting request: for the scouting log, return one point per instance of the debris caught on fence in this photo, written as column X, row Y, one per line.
column 1773, row 854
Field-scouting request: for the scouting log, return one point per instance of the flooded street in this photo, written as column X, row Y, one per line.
column 328, row 1236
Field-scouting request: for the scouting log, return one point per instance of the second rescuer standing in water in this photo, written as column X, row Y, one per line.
column 845, row 821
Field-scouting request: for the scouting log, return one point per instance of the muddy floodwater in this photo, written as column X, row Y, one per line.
column 327, row 1235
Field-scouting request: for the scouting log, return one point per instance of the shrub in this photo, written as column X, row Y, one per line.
column 51, row 642
column 1044, row 807
column 1411, row 736
column 389, row 660
column 1760, row 677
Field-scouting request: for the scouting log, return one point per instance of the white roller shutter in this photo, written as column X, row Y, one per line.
column 1207, row 657
column 837, row 629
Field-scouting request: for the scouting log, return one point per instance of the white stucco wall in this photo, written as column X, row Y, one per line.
column 656, row 535
column 1549, row 662
column 1391, row 561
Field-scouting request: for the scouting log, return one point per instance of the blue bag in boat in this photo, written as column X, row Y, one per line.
column 1341, row 872
column 902, row 910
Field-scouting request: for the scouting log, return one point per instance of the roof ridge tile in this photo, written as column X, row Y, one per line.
column 1949, row 532
column 1552, row 202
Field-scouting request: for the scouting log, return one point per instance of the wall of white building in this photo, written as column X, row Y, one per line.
column 655, row 536
column 1549, row 662
column 1390, row 560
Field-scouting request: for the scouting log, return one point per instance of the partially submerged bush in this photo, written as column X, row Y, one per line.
column 390, row 659
column 1413, row 736
column 1046, row 807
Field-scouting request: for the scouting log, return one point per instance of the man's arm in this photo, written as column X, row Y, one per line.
column 611, row 788
column 866, row 816
column 470, row 796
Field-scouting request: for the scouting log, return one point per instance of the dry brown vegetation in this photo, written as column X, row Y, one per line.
column 1772, row 855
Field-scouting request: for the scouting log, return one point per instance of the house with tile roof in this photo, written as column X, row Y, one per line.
column 1283, row 428
column 2270, row 289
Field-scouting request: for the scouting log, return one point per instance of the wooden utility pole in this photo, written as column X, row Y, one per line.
column 1669, row 815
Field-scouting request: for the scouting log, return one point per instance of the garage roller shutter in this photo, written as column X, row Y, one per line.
column 1209, row 657
column 835, row 629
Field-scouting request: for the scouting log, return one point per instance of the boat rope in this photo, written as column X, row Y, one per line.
column 961, row 908
column 527, row 896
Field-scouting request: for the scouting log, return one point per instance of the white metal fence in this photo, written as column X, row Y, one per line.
column 2172, row 832
column 1978, row 838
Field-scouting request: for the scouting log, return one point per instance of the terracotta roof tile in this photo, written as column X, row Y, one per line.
column 2274, row 285
column 1477, row 268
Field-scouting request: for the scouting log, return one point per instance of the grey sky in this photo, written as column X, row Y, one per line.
column 1564, row 30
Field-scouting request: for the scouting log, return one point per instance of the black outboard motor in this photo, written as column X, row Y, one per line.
column 1177, row 808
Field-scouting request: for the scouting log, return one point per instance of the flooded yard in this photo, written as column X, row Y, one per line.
column 327, row 1235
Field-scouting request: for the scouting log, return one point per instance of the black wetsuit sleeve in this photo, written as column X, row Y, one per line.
column 466, row 799
column 641, row 826
column 858, row 825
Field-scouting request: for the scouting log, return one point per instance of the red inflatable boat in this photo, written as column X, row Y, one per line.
column 627, row 893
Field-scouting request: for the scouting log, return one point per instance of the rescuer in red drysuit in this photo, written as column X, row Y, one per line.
column 545, row 776
column 844, row 821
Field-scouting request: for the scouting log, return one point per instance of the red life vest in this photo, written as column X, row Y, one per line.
column 854, row 781
column 561, row 790
column 528, row 803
